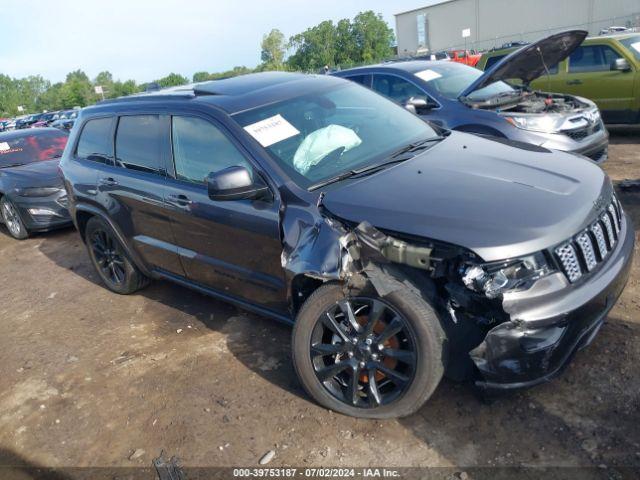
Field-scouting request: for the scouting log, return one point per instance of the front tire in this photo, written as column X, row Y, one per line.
column 12, row 220
column 108, row 256
column 368, row 356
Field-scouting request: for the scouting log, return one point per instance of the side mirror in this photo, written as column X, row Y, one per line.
column 417, row 105
column 621, row 65
column 234, row 183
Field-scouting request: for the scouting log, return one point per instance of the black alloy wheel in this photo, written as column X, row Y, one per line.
column 108, row 256
column 367, row 355
column 363, row 352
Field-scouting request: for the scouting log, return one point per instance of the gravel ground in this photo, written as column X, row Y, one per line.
column 93, row 379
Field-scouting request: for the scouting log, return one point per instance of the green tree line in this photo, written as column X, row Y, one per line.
column 365, row 39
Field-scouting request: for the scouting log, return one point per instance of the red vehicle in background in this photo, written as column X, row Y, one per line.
column 468, row 57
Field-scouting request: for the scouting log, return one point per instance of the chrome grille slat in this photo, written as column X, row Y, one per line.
column 582, row 253
column 588, row 254
column 614, row 215
column 596, row 228
column 569, row 261
column 608, row 228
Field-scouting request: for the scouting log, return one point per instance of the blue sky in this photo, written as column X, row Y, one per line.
column 144, row 39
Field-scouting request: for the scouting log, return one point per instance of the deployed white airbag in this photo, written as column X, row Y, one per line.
column 320, row 143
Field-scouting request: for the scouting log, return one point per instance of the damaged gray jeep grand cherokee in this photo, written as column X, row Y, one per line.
column 398, row 252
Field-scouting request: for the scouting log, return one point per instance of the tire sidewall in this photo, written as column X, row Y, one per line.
column 129, row 285
column 428, row 338
column 23, row 230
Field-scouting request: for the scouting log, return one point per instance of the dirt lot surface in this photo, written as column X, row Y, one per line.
column 90, row 378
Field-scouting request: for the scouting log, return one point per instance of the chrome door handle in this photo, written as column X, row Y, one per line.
column 108, row 182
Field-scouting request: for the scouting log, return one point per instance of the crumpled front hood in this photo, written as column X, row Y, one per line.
column 36, row 174
column 526, row 63
column 495, row 199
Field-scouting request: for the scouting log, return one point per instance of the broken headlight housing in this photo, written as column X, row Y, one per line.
column 496, row 278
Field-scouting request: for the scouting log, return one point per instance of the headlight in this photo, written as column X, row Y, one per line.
column 495, row 278
column 37, row 191
column 553, row 123
column 537, row 123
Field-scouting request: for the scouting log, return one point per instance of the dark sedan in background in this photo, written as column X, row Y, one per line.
column 32, row 196
column 459, row 97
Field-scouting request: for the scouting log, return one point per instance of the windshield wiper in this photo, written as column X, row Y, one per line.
column 396, row 157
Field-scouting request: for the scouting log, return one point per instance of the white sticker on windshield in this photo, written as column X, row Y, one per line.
column 271, row 130
column 4, row 146
column 427, row 75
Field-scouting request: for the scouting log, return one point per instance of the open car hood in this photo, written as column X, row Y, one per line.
column 527, row 63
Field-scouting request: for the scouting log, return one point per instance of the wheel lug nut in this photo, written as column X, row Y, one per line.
column 350, row 354
column 354, row 340
column 362, row 364
column 374, row 356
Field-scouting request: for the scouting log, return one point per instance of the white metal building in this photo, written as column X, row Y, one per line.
column 491, row 23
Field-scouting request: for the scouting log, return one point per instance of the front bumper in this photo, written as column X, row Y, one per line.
column 43, row 213
column 548, row 326
column 594, row 146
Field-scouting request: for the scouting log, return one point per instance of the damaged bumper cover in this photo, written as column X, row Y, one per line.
column 550, row 322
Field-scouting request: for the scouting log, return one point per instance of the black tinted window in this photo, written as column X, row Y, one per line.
column 361, row 79
column 139, row 143
column 396, row 88
column 199, row 148
column 95, row 141
column 592, row 58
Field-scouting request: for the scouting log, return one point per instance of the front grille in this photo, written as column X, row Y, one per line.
column 582, row 133
column 586, row 250
column 598, row 155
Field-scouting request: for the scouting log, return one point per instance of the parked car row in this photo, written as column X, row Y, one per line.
column 62, row 119
column 401, row 251
column 459, row 97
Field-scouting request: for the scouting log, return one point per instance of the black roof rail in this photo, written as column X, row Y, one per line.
column 143, row 97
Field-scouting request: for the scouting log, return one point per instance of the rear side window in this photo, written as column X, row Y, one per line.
column 361, row 79
column 396, row 88
column 21, row 148
column 200, row 148
column 139, row 143
column 592, row 58
column 96, row 142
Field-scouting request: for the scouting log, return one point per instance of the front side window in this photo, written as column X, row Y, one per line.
column 633, row 45
column 200, row 148
column 96, row 142
column 592, row 58
column 22, row 148
column 396, row 88
column 139, row 143
column 324, row 133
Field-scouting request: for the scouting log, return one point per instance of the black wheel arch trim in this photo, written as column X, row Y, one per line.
column 83, row 207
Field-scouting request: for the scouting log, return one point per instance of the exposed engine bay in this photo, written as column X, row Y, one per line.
column 532, row 102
